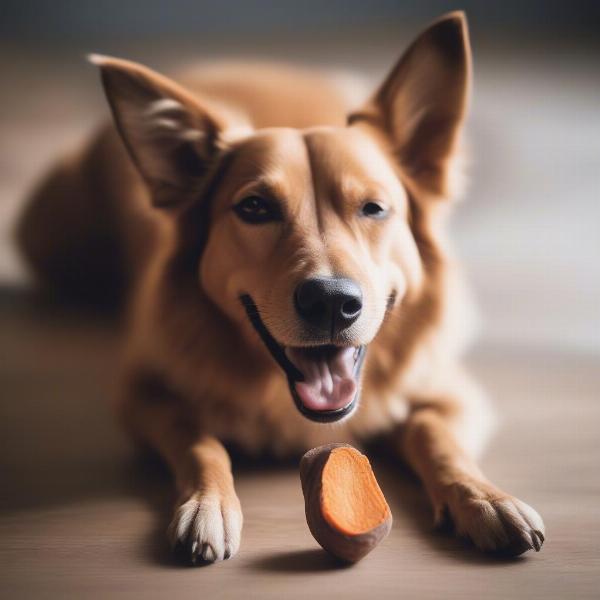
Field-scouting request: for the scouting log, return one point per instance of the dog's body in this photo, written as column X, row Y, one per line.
column 264, row 189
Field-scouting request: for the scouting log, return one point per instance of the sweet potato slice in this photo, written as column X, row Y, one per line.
column 345, row 507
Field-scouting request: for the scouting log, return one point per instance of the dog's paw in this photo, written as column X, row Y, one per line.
column 207, row 527
column 494, row 521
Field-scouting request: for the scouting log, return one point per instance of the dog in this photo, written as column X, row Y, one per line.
column 286, row 275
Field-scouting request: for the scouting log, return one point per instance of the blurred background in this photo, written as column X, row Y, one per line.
column 529, row 228
column 528, row 232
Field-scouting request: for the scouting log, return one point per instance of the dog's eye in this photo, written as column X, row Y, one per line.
column 256, row 210
column 373, row 210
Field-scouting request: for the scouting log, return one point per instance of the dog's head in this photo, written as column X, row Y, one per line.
column 310, row 239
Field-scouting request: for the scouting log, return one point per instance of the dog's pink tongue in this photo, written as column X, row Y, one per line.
column 328, row 381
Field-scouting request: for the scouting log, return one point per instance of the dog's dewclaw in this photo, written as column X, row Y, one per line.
column 345, row 507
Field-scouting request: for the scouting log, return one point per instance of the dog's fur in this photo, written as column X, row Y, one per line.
column 152, row 217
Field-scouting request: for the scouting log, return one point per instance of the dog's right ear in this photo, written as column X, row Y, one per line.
column 172, row 137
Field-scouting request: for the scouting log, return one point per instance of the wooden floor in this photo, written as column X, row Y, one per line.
column 82, row 516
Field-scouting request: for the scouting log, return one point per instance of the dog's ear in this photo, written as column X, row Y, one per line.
column 422, row 103
column 172, row 137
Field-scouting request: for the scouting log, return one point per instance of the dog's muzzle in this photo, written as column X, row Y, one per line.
column 324, row 379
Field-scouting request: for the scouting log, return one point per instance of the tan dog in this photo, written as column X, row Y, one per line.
column 293, row 255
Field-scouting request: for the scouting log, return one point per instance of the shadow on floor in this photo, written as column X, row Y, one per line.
column 311, row 560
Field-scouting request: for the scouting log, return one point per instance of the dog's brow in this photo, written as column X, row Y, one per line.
column 362, row 189
column 270, row 188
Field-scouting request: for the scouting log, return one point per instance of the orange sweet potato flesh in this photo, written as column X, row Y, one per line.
column 345, row 507
column 351, row 499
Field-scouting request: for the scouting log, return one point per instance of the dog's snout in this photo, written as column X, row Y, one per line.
column 329, row 304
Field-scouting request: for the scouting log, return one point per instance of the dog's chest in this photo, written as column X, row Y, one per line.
column 266, row 420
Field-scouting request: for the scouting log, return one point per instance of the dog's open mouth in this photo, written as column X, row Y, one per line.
column 323, row 380
column 329, row 387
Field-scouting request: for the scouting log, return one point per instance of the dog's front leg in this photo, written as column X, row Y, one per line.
column 208, row 518
column 432, row 442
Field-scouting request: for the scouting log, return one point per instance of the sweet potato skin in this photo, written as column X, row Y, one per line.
column 348, row 548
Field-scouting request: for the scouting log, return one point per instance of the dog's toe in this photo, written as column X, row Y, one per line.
column 209, row 554
column 207, row 527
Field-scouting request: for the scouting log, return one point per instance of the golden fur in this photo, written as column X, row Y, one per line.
column 160, row 229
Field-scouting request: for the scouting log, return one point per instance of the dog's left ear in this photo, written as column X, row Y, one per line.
column 172, row 136
column 422, row 104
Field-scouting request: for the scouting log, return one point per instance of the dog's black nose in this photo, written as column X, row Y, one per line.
column 330, row 304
